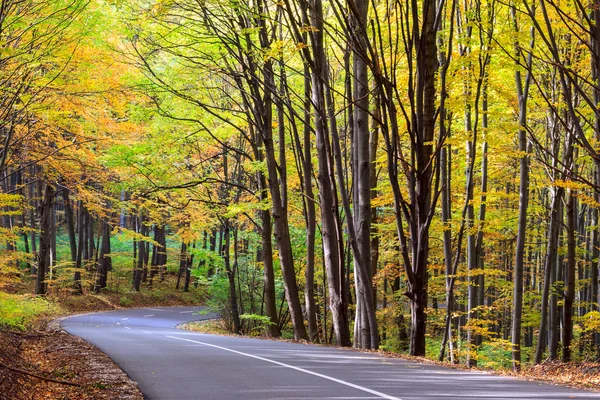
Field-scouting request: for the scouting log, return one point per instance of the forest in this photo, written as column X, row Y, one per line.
column 415, row 176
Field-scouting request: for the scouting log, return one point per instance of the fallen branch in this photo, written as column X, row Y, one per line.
column 22, row 371
column 26, row 334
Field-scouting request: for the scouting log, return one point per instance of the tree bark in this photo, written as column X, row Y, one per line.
column 332, row 255
column 569, row 293
column 44, row 255
column 522, row 97
column 105, row 260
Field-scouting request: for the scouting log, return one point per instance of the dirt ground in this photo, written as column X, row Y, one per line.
column 55, row 365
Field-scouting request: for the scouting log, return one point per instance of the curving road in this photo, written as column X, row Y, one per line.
column 173, row 364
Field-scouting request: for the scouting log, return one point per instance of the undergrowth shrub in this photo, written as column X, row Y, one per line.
column 22, row 312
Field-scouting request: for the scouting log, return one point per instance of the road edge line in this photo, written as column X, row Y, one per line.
column 330, row 378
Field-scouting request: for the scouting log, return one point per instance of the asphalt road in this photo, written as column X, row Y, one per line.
column 173, row 364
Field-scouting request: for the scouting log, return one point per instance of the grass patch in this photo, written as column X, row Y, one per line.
column 23, row 312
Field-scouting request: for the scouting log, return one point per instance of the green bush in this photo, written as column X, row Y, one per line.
column 125, row 301
column 22, row 312
column 256, row 324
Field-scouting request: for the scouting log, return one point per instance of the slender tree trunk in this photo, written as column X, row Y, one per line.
column 188, row 270
column 32, row 224
column 182, row 263
column 325, row 174
column 105, row 260
column 81, row 229
column 554, row 308
column 361, row 161
column 281, row 223
column 44, row 256
column 154, row 259
column 162, row 255
column 50, row 273
column 91, row 252
column 70, row 224
column 137, row 276
column 134, row 274
column 595, row 67
column 122, row 216
column 421, row 193
column 549, row 271
column 231, row 277
column 569, row 293
column 472, row 260
column 309, row 292
column 269, row 275
column 522, row 96
column 483, row 206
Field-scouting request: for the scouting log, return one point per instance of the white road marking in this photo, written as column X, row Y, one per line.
column 124, row 319
column 186, row 312
column 341, row 382
column 127, row 327
column 154, row 309
column 149, row 315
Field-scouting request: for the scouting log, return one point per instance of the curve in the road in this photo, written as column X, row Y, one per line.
column 173, row 364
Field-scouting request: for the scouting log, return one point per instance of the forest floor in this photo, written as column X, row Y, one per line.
column 44, row 362
column 581, row 375
column 56, row 365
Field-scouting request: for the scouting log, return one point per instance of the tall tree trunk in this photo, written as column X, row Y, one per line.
column 472, row 260
column 269, row 275
column 188, row 270
column 483, row 206
column 280, row 216
column 554, row 310
column 139, row 266
column 81, row 229
column 595, row 67
column 122, row 216
column 44, row 255
column 154, row 258
column 361, row 161
column 446, row 203
column 50, row 273
column 91, row 252
column 522, row 96
column 549, row 270
column 569, row 293
column 70, row 224
column 332, row 254
column 183, row 257
column 32, row 224
column 309, row 201
column 233, row 301
column 104, row 260
column 421, row 192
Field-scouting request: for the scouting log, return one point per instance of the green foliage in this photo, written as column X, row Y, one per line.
column 23, row 312
column 495, row 354
column 258, row 324
column 125, row 301
column 591, row 322
column 218, row 298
